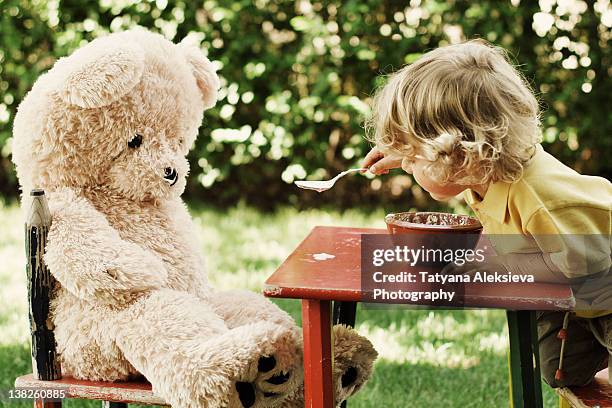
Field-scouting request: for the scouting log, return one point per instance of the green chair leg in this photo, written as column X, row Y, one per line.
column 526, row 386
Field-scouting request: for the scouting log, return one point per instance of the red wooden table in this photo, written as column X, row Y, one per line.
column 326, row 267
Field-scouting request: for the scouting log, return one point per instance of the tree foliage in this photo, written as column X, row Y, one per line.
column 297, row 77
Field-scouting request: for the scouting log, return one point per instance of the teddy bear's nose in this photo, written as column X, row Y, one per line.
column 170, row 175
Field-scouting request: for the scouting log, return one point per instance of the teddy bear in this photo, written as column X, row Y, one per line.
column 105, row 132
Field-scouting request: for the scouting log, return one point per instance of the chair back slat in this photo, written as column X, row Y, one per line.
column 45, row 361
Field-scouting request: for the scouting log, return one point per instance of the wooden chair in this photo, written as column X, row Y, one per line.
column 596, row 394
column 47, row 373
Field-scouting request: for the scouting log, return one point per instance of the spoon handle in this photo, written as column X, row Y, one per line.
column 344, row 173
column 354, row 170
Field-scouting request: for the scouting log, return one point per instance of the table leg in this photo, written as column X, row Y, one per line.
column 525, row 383
column 318, row 380
column 345, row 313
column 41, row 403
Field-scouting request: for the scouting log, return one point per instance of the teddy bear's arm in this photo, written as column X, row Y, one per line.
column 89, row 258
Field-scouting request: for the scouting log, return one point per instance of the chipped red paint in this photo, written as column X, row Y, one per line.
column 129, row 392
column 596, row 394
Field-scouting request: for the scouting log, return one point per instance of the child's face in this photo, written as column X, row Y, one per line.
column 440, row 192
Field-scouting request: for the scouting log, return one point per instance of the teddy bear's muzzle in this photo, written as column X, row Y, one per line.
column 170, row 175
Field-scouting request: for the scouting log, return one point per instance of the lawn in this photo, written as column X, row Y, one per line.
column 427, row 358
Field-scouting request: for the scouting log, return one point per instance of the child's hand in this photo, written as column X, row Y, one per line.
column 379, row 164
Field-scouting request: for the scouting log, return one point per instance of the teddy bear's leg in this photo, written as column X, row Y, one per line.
column 239, row 307
column 354, row 355
column 243, row 307
column 354, row 358
column 194, row 360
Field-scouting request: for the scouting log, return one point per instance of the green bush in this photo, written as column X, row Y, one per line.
column 297, row 77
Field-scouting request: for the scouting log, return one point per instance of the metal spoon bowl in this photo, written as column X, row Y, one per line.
column 323, row 185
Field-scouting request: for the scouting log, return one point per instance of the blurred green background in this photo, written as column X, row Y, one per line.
column 297, row 78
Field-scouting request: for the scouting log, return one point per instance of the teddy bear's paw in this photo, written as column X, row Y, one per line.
column 354, row 358
column 277, row 379
column 274, row 375
column 271, row 385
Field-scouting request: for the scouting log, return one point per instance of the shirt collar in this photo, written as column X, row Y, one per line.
column 495, row 202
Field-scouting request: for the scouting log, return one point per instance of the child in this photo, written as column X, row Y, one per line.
column 461, row 119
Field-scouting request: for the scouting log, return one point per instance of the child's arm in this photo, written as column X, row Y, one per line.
column 572, row 243
column 576, row 237
column 537, row 264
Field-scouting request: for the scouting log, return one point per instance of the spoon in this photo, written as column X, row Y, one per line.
column 323, row 185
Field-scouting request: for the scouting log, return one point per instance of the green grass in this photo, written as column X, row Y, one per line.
column 427, row 358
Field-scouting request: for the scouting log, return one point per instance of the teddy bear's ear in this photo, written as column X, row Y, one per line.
column 204, row 72
column 100, row 73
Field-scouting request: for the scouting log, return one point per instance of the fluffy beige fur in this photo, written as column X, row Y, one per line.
column 133, row 297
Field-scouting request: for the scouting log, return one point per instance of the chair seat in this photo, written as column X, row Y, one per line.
column 129, row 392
column 596, row 394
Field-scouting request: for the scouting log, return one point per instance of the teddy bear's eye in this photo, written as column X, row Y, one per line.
column 136, row 141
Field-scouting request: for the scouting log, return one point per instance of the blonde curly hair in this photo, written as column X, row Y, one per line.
column 463, row 108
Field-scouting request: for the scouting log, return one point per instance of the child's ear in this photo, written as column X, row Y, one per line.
column 100, row 73
column 204, row 72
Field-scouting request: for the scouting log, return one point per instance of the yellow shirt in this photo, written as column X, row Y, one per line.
column 555, row 210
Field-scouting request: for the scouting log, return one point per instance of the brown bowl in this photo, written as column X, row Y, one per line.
column 405, row 222
column 434, row 230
